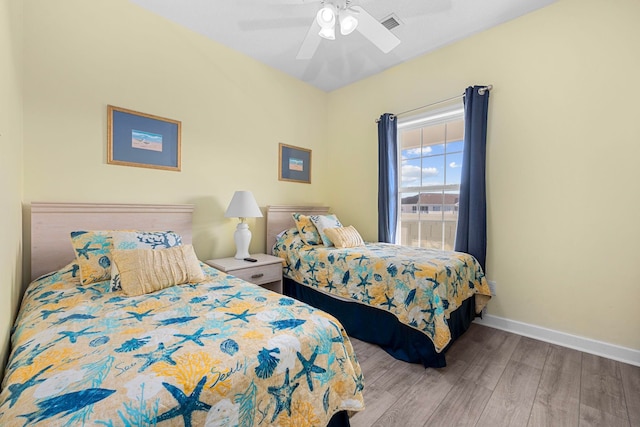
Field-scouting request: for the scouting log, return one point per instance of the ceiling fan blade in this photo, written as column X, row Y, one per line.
column 311, row 42
column 377, row 33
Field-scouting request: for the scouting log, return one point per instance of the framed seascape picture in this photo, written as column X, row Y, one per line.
column 294, row 164
column 142, row 140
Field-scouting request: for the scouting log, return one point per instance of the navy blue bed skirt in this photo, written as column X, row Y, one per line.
column 383, row 328
column 340, row 419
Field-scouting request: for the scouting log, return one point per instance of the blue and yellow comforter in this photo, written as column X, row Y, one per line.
column 421, row 287
column 220, row 353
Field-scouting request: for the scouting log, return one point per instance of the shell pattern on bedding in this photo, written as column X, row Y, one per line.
column 220, row 353
column 420, row 287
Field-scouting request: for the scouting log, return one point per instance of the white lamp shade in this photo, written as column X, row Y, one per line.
column 328, row 33
column 348, row 23
column 243, row 205
column 326, row 16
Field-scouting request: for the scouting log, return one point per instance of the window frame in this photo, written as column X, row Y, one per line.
column 433, row 117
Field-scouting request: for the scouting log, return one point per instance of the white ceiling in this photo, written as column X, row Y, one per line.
column 272, row 31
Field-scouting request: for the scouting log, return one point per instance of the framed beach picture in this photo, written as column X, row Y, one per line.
column 142, row 140
column 294, row 164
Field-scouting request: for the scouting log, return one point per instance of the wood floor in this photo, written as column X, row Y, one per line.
column 495, row 378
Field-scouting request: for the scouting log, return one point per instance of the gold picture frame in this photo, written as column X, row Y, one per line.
column 294, row 164
column 143, row 140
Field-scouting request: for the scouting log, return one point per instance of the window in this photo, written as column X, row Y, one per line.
column 430, row 169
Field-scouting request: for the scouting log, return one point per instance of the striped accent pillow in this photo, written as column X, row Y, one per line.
column 344, row 237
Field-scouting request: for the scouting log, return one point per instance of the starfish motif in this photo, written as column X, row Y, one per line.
column 20, row 349
column 138, row 316
column 47, row 313
column 454, row 286
column 314, row 282
column 458, row 276
column 282, row 395
column 153, row 295
column 242, row 316
column 364, row 281
column 74, row 270
column 217, row 304
column 237, row 295
column 73, row 336
column 312, row 268
column 187, row 405
column 389, row 303
column 287, row 269
column 196, row 337
column 161, row 354
column 342, row 257
column 35, row 352
column 84, row 251
column 359, row 384
column 410, row 269
column 361, row 258
column 309, row 367
column 433, row 281
column 431, row 310
column 366, row 297
column 330, row 287
column 16, row 389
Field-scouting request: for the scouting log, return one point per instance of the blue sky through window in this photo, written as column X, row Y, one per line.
column 438, row 164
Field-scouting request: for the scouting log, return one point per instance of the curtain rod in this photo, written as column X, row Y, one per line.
column 481, row 91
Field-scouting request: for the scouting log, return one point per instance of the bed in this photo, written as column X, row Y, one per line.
column 414, row 303
column 218, row 351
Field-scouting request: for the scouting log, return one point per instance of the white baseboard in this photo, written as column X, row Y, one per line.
column 587, row 345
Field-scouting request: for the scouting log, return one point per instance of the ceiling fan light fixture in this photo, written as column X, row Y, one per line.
column 348, row 23
column 326, row 16
column 328, row 33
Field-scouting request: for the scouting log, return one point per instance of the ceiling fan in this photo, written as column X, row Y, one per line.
column 334, row 13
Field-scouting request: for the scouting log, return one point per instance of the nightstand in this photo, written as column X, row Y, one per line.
column 266, row 272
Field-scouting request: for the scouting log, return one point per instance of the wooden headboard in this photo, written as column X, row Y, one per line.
column 52, row 223
column 279, row 219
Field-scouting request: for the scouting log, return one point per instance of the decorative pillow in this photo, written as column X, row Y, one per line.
column 143, row 271
column 323, row 222
column 288, row 240
column 127, row 240
column 344, row 237
column 308, row 231
column 93, row 254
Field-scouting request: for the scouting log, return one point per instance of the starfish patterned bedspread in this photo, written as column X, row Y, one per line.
column 220, row 353
column 421, row 287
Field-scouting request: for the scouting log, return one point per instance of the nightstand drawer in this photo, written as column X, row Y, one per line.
column 260, row 274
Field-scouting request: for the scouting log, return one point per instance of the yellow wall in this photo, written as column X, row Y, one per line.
column 81, row 55
column 562, row 226
column 563, row 148
column 10, row 167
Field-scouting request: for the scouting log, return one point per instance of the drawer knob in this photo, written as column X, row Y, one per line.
column 257, row 276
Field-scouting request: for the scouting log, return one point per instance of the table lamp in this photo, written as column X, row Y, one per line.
column 243, row 205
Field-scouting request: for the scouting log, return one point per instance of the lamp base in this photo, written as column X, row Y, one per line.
column 242, row 237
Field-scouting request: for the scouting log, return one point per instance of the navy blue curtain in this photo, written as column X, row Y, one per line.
column 387, row 178
column 471, row 234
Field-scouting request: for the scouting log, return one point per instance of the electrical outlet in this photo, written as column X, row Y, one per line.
column 492, row 287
